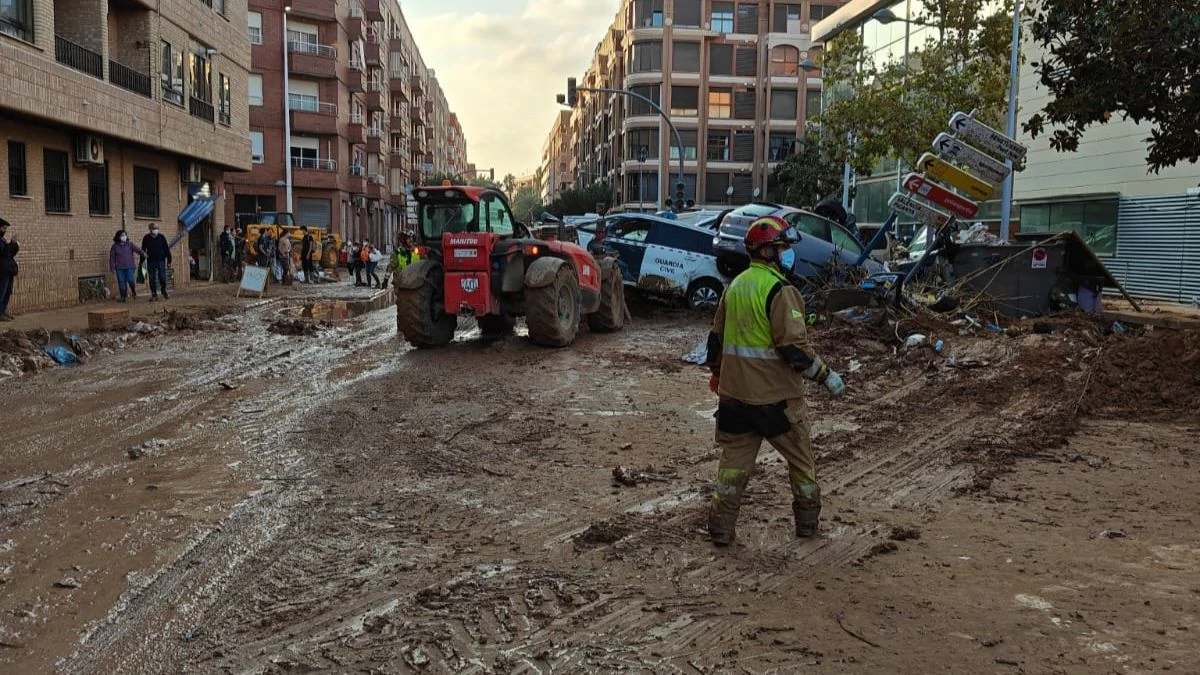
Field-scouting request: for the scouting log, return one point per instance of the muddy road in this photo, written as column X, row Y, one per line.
column 242, row 497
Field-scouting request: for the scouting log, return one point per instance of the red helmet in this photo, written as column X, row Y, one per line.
column 768, row 231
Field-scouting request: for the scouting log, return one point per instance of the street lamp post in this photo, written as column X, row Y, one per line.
column 642, row 153
column 1014, row 58
column 886, row 16
column 287, row 114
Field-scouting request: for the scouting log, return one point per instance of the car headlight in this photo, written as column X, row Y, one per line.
column 716, row 240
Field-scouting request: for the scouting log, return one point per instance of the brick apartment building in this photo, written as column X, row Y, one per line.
column 113, row 114
column 739, row 79
column 367, row 117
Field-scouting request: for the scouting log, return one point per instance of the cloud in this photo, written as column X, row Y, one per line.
column 501, row 72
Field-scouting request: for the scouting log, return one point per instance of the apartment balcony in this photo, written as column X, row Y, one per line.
column 356, row 132
column 78, row 57
column 201, row 109
column 417, row 115
column 374, row 9
column 398, row 159
column 375, row 99
column 320, row 174
column 416, row 145
column 396, row 43
column 428, row 107
column 374, row 140
column 130, row 79
column 374, row 50
column 417, row 86
column 398, row 84
column 355, row 28
column 313, row 60
column 377, row 187
column 313, row 117
column 356, row 181
column 312, row 9
column 355, row 77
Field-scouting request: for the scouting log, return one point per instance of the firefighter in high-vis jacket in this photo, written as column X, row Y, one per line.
column 760, row 355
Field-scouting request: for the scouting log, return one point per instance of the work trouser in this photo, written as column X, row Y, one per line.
column 157, row 271
column 310, row 269
column 741, row 429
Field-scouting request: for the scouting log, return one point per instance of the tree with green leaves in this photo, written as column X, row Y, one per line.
column 894, row 109
column 808, row 176
column 1138, row 59
column 510, row 185
column 527, row 205
column 581, row 200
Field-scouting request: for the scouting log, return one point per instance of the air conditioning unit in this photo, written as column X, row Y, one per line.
column 190, row 172
column 89, row 149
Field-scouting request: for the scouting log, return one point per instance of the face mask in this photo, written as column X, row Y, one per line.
column 154, row 232
column 124, row 238
column 787, row 260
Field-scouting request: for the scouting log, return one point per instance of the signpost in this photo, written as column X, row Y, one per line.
column 987, row 168
column 254, row 280
column 930, row 165
column 986, row 138
column 959, row 206
column 926, row 215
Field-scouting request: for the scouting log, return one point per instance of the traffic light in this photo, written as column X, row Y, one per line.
column 679, row 196
column 572, row 92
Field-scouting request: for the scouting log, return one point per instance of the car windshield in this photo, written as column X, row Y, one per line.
column 916, row 248
column 443, row 217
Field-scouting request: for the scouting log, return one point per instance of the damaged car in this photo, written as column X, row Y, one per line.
column 662, row 257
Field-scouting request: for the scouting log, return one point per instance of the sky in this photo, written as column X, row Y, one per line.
column 501, row 63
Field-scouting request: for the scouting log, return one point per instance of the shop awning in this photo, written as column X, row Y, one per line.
column 195, row 212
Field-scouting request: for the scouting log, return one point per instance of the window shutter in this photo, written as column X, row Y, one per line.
column 743, row 105
column 747, row 19
column 743, row 146
column 746, row 62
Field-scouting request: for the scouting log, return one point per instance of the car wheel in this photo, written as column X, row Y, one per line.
column 704, row 294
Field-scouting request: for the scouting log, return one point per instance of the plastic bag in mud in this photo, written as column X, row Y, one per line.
column 698, row 355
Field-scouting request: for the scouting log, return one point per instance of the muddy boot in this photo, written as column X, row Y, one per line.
column 806, row 507
column 722, row 515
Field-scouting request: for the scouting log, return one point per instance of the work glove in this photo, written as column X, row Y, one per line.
column 714, row 383
column 834, row 383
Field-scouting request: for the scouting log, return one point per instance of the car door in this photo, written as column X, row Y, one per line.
column 668, row 263
column 628, row 238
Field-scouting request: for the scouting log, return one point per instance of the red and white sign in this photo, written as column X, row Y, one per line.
column 1039, row 258
column 959, row 206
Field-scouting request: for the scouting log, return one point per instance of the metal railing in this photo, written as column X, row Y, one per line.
column 356, row 118
column 315, row 163
column 356, row 64
column 127, row 78
column 310, row 105
column 377, row 179
column 312, row 48
column 78, row 57
column 399, row 150
column 202, row 109
column 374, row 132
column 398, row 73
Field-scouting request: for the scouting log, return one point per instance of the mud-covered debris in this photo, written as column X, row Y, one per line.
column 624, row 475
column 602, row 533
column 134, row 453
column 1091, row 460
column 883, row 548
column 416, row 658
column 141, row 327
column 67, row 582
column 1111, row 534
column 296, row 327
column 903, row 533
column 227, row 386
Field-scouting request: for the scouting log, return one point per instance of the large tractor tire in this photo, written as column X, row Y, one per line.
column 552, row 311
column 420, row 314
column 610, row 318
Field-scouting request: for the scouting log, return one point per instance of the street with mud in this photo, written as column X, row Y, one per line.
column 253, row 487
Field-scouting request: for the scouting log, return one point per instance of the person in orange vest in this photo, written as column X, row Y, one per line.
column 760, row 356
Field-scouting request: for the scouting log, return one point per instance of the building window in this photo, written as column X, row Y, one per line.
column 718, row 146
column 256, row 147
column 722, row 17
column 145, row 192
column 688, row 136
column 219, row 5
column 783, row 14
column 200, row 82
column 642, row 187
column 747, row 19
column 18, row 183
column 745, row 61
column 57, row 176
column 812, row 104
column 648, row 14
column 226, row 115
column 98, row 190
column 720, row 103
column 647, row 57
column 687, row 14
column 785, row 61
column 16, row 19
column 716, row 186
column 783, row 104
column 1095, row 220
column 720, row 60
column 637, row 139
column 818, row 12
column 254, row 28
column 781, row 147
column 685, row 57
column 743, row 146
column 256, row 89
column 685, row 101
column 640, row 107
column 172, row 74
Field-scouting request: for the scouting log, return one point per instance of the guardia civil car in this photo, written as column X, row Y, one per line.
column 662, row 257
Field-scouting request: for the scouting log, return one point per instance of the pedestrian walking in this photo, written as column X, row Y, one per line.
column 283, row 252
column 307, row 244
column 228, row 249
column 760, row 354
column 8, row 269
column 158, row 257
column 354, row 262
column 123, row 264
column 370, row 257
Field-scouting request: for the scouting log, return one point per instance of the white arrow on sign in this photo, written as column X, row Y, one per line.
column 988, row 168
column 926, row 215
column 987, row 138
